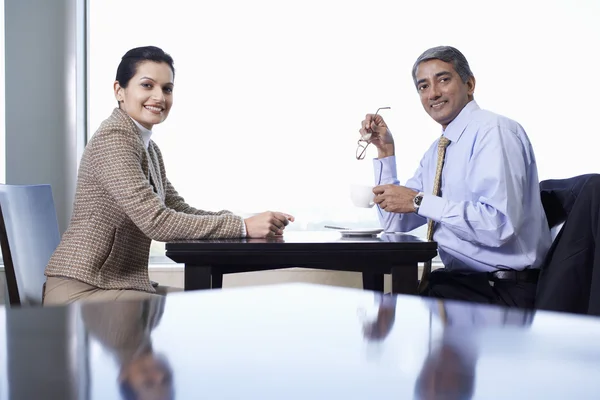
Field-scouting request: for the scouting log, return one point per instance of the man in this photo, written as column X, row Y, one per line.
column 487, row 217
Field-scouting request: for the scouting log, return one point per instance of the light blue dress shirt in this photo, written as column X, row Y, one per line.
column 490, row 214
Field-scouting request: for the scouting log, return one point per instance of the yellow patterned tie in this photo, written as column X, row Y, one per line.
column 442, row 311
column 437, row 184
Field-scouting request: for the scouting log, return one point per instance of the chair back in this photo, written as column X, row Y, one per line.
column 29, row 235
column 558, row 198
column 567, row 274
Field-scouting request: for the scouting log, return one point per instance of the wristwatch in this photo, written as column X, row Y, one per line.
column 417, row 201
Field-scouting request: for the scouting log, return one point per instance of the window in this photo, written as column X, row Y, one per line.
column 269, row 95
column 2, row 109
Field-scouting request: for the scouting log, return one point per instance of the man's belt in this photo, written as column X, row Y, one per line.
column 527, row 275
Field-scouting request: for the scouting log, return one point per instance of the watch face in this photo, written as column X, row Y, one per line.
column 418, row 200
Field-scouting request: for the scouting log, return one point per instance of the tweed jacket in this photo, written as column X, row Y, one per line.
column 123, row 201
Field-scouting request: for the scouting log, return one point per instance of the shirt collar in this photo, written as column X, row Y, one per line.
column 455, row 129
column 145, row 132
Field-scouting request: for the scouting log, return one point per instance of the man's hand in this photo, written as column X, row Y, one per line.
column 265, row 224
column 374, row 129
column 395, row 198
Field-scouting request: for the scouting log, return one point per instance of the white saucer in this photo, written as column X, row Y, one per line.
column 360, row 232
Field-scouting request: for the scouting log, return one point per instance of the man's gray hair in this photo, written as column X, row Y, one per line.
column 447, row 54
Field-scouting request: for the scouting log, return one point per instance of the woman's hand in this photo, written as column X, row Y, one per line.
column 266, row 224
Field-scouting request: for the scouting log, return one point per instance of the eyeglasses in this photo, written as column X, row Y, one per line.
column 361, row 150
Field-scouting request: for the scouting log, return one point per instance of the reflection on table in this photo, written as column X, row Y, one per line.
column 124, row 330
column 297, row 341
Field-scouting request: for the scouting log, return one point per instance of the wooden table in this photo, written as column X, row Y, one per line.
column 206, row 261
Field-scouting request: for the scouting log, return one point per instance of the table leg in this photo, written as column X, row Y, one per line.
column 372, row 281
column 217, row 280
column 196, row 277
column 405, row 279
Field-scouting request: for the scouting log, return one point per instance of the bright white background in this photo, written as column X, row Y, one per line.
column 269, row 94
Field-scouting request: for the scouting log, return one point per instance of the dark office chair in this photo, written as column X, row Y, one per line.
column 29, row 235
column 570, row 276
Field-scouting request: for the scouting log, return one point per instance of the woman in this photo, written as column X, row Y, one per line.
column 124, row 199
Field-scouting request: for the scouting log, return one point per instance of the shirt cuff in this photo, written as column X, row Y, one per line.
column 432, row 207
column 244, row 231
column 385, row 170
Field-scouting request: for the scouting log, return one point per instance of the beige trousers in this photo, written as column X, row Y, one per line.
column 60, row 291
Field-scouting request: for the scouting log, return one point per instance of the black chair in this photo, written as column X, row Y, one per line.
column 570, row 275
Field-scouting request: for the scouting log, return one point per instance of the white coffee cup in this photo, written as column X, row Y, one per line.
column 362, row 195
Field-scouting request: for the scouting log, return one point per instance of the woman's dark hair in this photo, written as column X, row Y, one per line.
column 130, row 61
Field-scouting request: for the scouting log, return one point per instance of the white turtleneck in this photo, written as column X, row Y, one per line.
column 146, row 134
